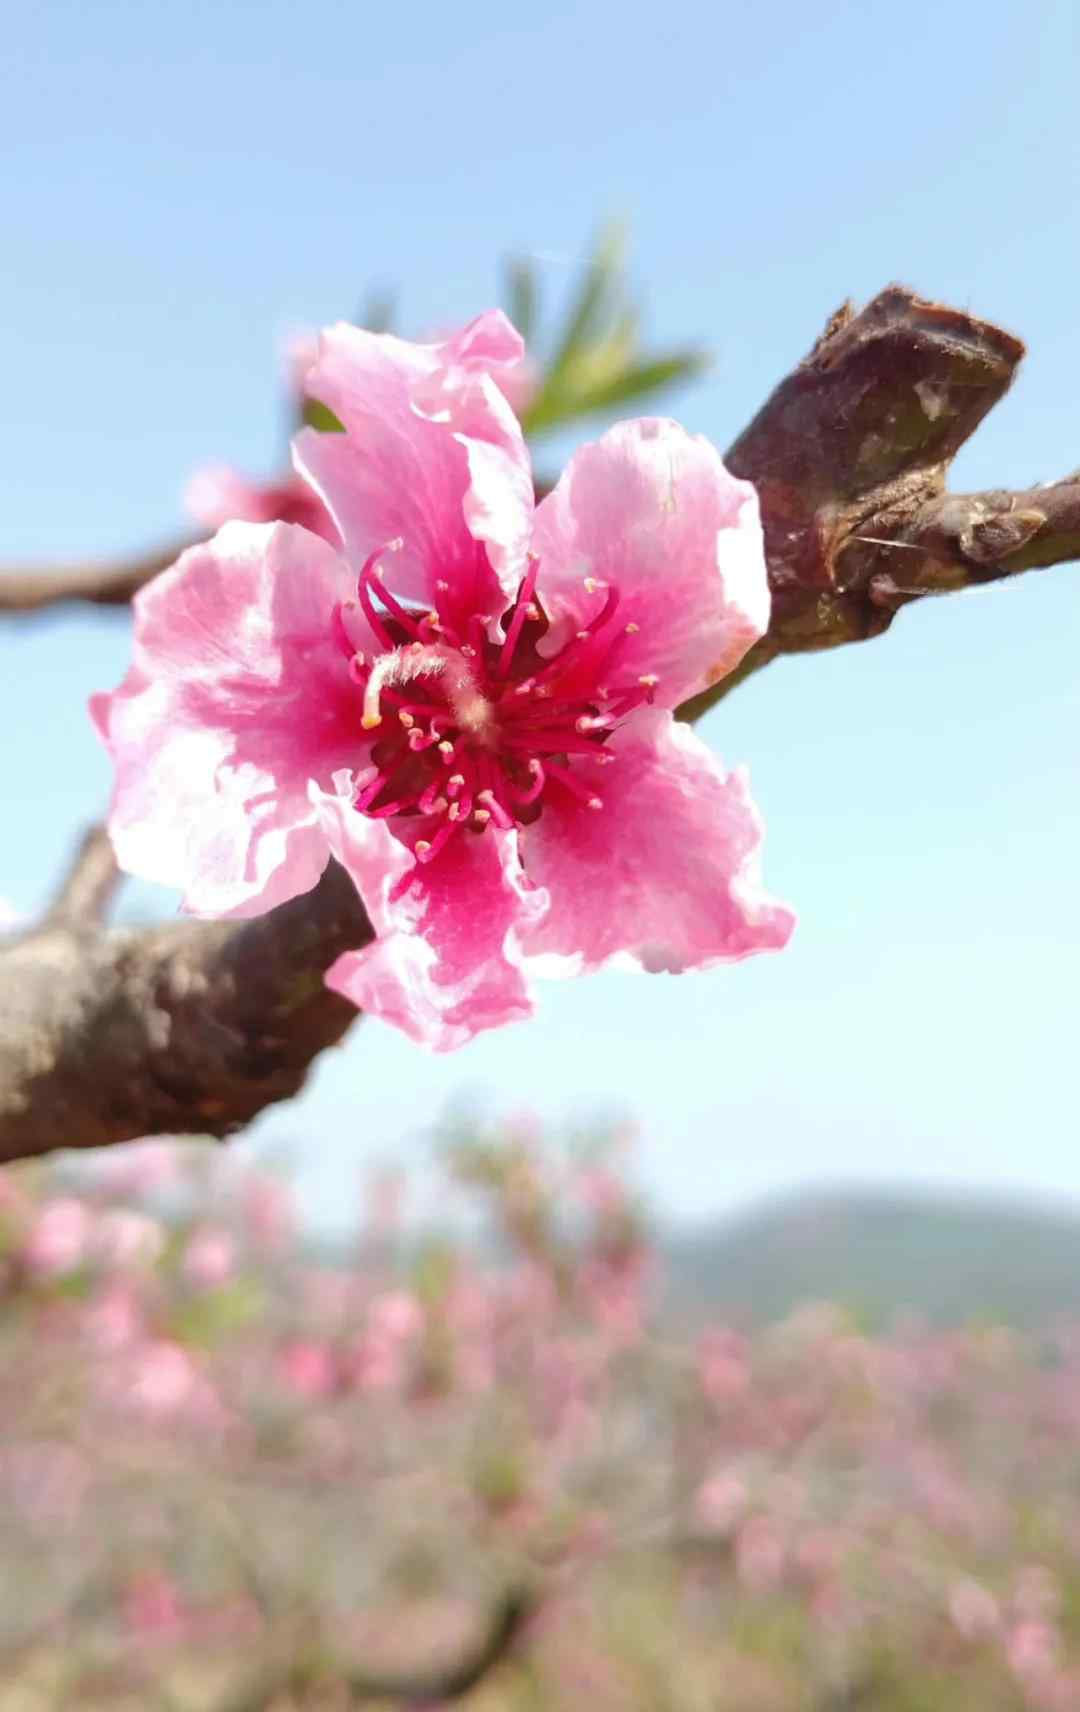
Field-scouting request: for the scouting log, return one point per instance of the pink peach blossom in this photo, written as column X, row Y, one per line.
column 470, row 706
column 56, row 1243
column 163, row 1380
column 125, row 1238
column 269, row 1212
column 219, row 494
column 307, row 1368
column 209, row 1258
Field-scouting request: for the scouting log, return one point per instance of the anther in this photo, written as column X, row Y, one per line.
column 442, row 586
column 595, row 802
column 454, row 783
column 446, row 750
column 454, row 810
column 406, row 718
column 481, row 815
column 632, row 629
column 422, row 846
column 648, row 681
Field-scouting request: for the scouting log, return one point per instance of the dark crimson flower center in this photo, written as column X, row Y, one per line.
column 470, row 731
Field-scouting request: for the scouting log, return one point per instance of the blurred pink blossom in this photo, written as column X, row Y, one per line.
column 162, row 1379
column 113, row 1318
column 720, row 1503
column 307, row 1367
column 56, row 1243
column 974, row 1611
column 152, row 1608
column 760, row 1554
column 209, row 1257
column 125, row 1238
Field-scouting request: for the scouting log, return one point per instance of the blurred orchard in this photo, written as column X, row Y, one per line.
column 484, row 1461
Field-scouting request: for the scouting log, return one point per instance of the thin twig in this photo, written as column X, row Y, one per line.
column 84, row 895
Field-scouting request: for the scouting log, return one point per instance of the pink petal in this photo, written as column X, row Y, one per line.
column 238, row 695
column 219, row 494
column 446, row 963
column 488, row 344
column 432, row 455
column 666, row 871
column 652, row 509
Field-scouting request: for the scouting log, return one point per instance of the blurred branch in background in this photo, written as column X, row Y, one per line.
column 197, row 1028
column 99, row 582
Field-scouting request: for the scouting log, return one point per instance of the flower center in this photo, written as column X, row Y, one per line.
column 469, row 731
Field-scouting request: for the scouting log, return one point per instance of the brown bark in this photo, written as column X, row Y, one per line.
column 190, row 1027
column 198, row 1027
column 101, row 582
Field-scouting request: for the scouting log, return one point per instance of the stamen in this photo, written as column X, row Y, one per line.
column 524, row 798
column 400, row 665
column 494, row 810
column 372, row 571
column 367, row 574
column 524, row 600
column 560, row 661
column 341, row 635
column 431, row 798
column 434, row 845
column 576, row 787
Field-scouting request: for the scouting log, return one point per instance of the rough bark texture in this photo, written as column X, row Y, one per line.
column 195, row 1027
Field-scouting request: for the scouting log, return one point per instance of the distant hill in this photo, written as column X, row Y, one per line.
column 952, row 1259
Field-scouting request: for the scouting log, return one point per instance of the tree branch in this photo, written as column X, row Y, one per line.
column 189, row 1027
column 850, row 456
column 197, row 1027
column 102, row 582
column 85, row 894
column 414, row 1689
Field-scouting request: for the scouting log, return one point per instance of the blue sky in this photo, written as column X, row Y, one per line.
column 181, row 186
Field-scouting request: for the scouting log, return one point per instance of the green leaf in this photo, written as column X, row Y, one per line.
column 595, row 301
column 641, row 379
column 315, row 414
column 521, row 293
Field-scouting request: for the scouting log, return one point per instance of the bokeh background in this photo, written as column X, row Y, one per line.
column 182, row 187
